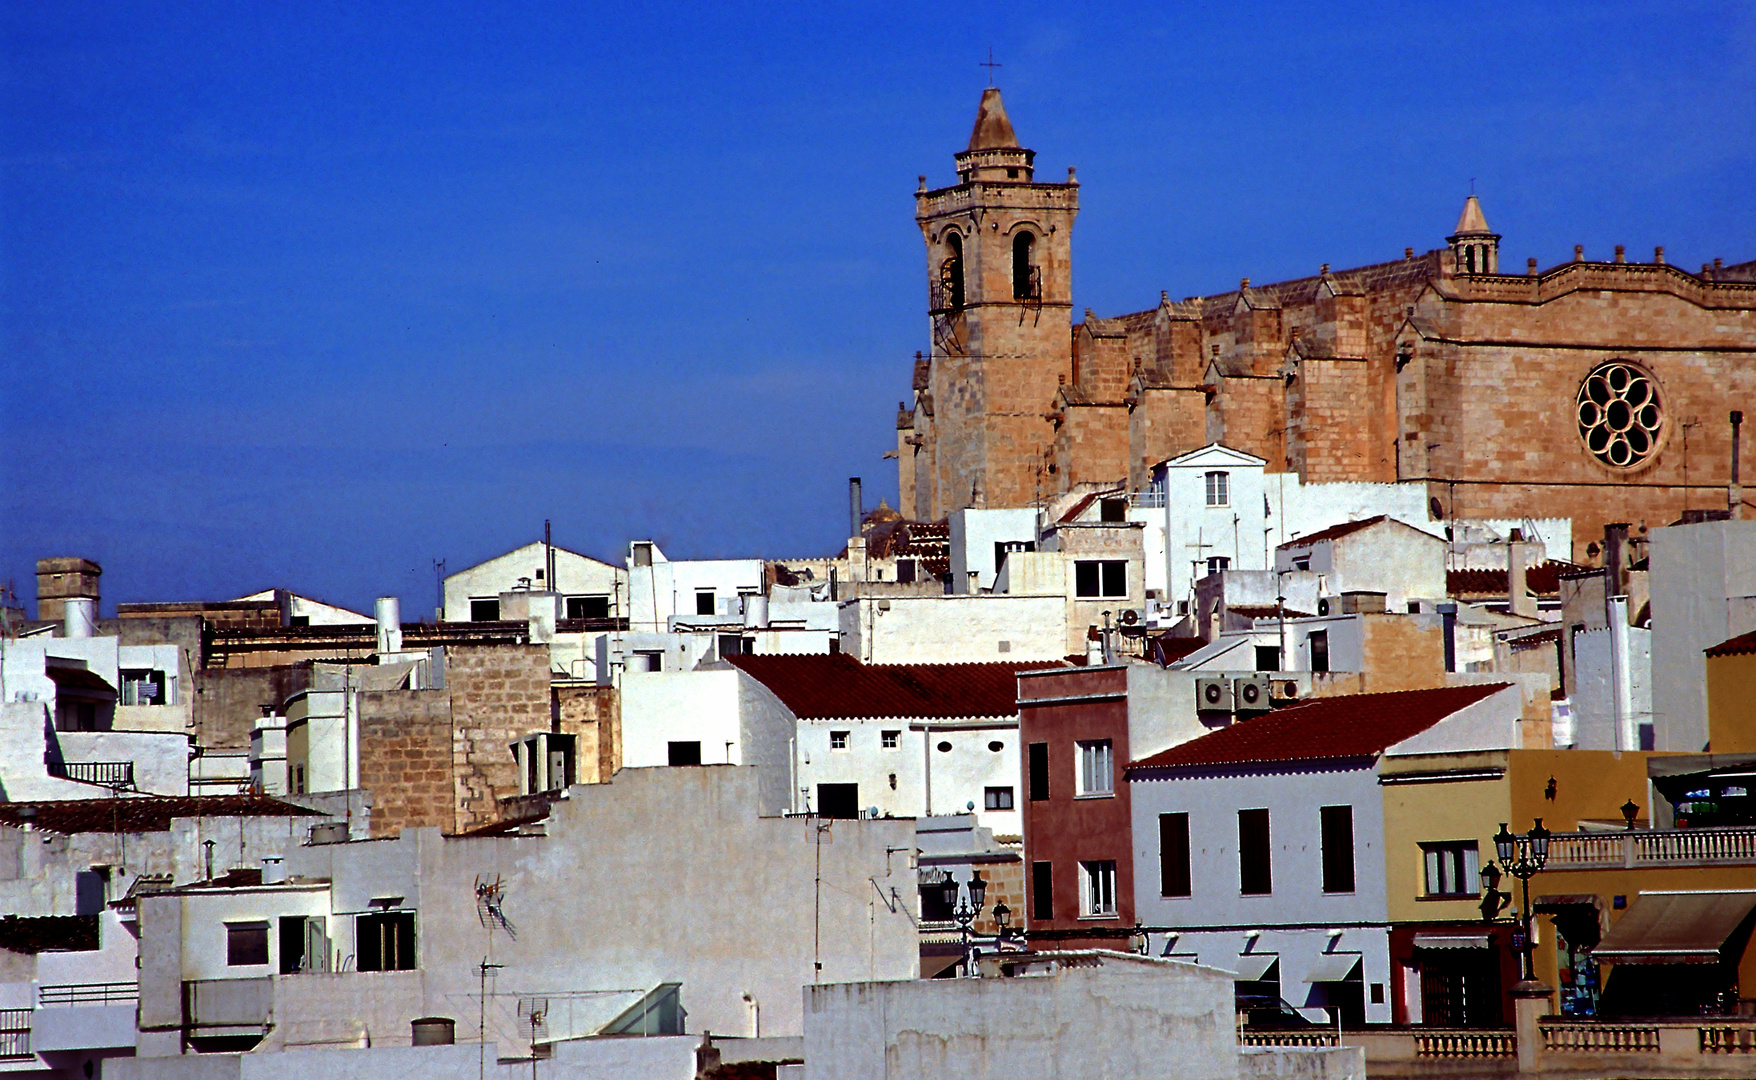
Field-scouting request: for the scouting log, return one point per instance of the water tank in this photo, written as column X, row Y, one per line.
column 389, row 613
column 434, row 1030
column 79, row 617
column 756, row 612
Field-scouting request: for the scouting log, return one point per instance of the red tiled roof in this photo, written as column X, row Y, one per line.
column 1168, row 650
column 1355, row 726
column 1335, row 532
column 1738, row 646
column 1543, row 579
column 49, row 933
column 142, row 814
column 833, row 686
column 1263, row 611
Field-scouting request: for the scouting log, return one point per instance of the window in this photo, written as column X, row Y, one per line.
column 1004, row 548
column 1024, row 279
column 1101, row 578
column 1219, row 489
column 838, row 800
column 143, row 687
column 889, row 739
column 1337, row 823
column 684, row 753
column 1095, row 772
column 997, row 798
column 1303, row 562
column 1217, row 563
column 1097, row 888
column 1173, row 854
column 647, row 661
column 246, row 944
column 76, row 716
column 484, row 610
column 385, row 942
column 704, row 602
column 905, row 571
column 1113, row 510
column 933, row 906
column 1042, row 891
column 1267, row 658
column 588, row 607
column 303, row 944
column 838, row 740
column 1452, row 869
column 1255, row 873
column 1039, row 771
column 299, row 779
column 730, row 645
column 951, row 274
column 1319, row 650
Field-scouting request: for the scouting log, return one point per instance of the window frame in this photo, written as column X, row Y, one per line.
column 1097, row 889
column 479, row 605
column 1087, row 755
column 235, row 943
column 394, row 928
column 838, row 740
column 677, row 749
column 1101, row 584
column 1175, row 874
column 1042, row 891
column 711, row 596
column 1466, row 865
column 993, row 796
column 1037, row 772
column 579, row 603
column 1217, row 486
column 1329, row 827
column 1255, row 852
column 890, row 740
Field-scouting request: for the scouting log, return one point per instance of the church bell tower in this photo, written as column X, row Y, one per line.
column 999, row 301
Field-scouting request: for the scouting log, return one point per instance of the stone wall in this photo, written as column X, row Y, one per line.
column 405, row 758
column 593, row 715
column 499, row 693
column 227, row 701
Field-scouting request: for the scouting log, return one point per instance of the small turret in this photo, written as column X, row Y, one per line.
column 994, row 153
column 1475, row 246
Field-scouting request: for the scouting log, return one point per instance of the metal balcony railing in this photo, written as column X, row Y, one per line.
column 63, row 994
column 113, row 774
column 15, row 1033
column 1150, row 499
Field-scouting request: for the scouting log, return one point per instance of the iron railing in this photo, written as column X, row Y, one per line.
column 116, row 993
column 113, row 774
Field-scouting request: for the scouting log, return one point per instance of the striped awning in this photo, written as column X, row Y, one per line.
column 1452, row 941
column 1332, row 967
column 1676, row 927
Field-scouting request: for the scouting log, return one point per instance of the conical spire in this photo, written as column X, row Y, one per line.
column 993, row 131
column 1472, row 220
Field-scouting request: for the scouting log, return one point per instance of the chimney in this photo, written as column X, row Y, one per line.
column 1448, row 622
column 1518, row 598
column 1735, row 492
column 389, row 613
column 854, row 515
column 62, row 578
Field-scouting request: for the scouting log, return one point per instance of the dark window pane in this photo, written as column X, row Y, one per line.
column 588, row 607
column 1113, row 510
column 933, row 905
column 484, row 610
column 1255, row 873
column 386, row 942
column 1042, row 891
column 1338, row 848
column 1039, row 771
column 1267, row 658
column 1086, row 579
column 685, row 753
column 292, row 943
column 1173, row 854
column 997, row 798
column 838, row 800
column 1115, row 578
column 247, row 944
column 704, row 602
column 1319, row 650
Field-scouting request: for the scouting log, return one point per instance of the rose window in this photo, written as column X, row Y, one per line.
column 1619, row 414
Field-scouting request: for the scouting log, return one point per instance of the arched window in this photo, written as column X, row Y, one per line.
column 1025, row 283
column 951, row 273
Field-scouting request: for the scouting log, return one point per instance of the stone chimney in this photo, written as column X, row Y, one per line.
column 1518, row 598
column 62, row 579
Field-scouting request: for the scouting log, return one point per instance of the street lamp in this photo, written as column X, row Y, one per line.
column 1521, row 857
column 965, row 910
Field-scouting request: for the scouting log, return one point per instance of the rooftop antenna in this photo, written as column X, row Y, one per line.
column 490, row 906
column 990, row 65
column 535, row 1012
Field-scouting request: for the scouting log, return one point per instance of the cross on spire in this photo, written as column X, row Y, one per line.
column 990, row 65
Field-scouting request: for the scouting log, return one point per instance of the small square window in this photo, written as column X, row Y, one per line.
column 997, row 798
column 889, row 739
column 484, row 610
column 838, row 740
column 1452, row 869
column 1100, row 579
column 246, row 944
column 1096, row 768
column 1097, row 888
column 1219, row 489
column 704, row 602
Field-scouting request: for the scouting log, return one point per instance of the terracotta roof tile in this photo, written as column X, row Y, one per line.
column 142, row 814
column 1543, row 579
column 1335, row 532
column 1738, row 646
column 834, row 686
column 1355, row 726
column 49, row 933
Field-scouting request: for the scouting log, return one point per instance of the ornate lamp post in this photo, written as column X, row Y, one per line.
column 1521, row 857
column 965, row 909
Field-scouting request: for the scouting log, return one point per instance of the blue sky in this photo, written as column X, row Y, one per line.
column 310, row 295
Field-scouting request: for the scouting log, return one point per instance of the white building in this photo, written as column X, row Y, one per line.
column 981, row 540
column 1263, row 844
column 1703, row 579
column 966, row 628
column 588, row 588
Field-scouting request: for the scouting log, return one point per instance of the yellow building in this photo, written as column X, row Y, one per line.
column 1452, row 968
column 1731, row 695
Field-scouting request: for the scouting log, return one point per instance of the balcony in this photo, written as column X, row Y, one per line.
column 1150, row 499
column 110, row 774
column 1653, row 847
column 14, row 1033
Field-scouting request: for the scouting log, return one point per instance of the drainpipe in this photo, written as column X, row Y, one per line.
column 1735, row 492
column 1616, row 610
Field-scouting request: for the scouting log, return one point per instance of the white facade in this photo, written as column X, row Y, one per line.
column 976, row 535
column 1601, row 675
column 585, row 584
column 911, row 767
column 727, row 718
column 954, row 629
column 1703, row 583
column 304, row 611
column 699, row 592
column 1392, row 557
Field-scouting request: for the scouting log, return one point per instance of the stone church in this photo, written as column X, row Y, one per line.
column 1604, row 391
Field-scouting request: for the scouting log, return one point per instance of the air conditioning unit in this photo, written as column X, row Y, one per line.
column 1213, row 694
column 1324, row 607
column 1254, row 693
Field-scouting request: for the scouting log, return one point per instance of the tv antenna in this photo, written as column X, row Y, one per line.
column 491, row 906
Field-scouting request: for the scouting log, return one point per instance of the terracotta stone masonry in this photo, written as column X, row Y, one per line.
column 405, row 758
column 1596, row 390
column 498, row 694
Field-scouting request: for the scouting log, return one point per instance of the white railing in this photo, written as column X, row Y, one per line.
column 15, row 1033
column 1728, row 1039
column 1653, row 847
column 1291, row 1037
column 116, row 993
column 1151, row 499
column 1465, row 1043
